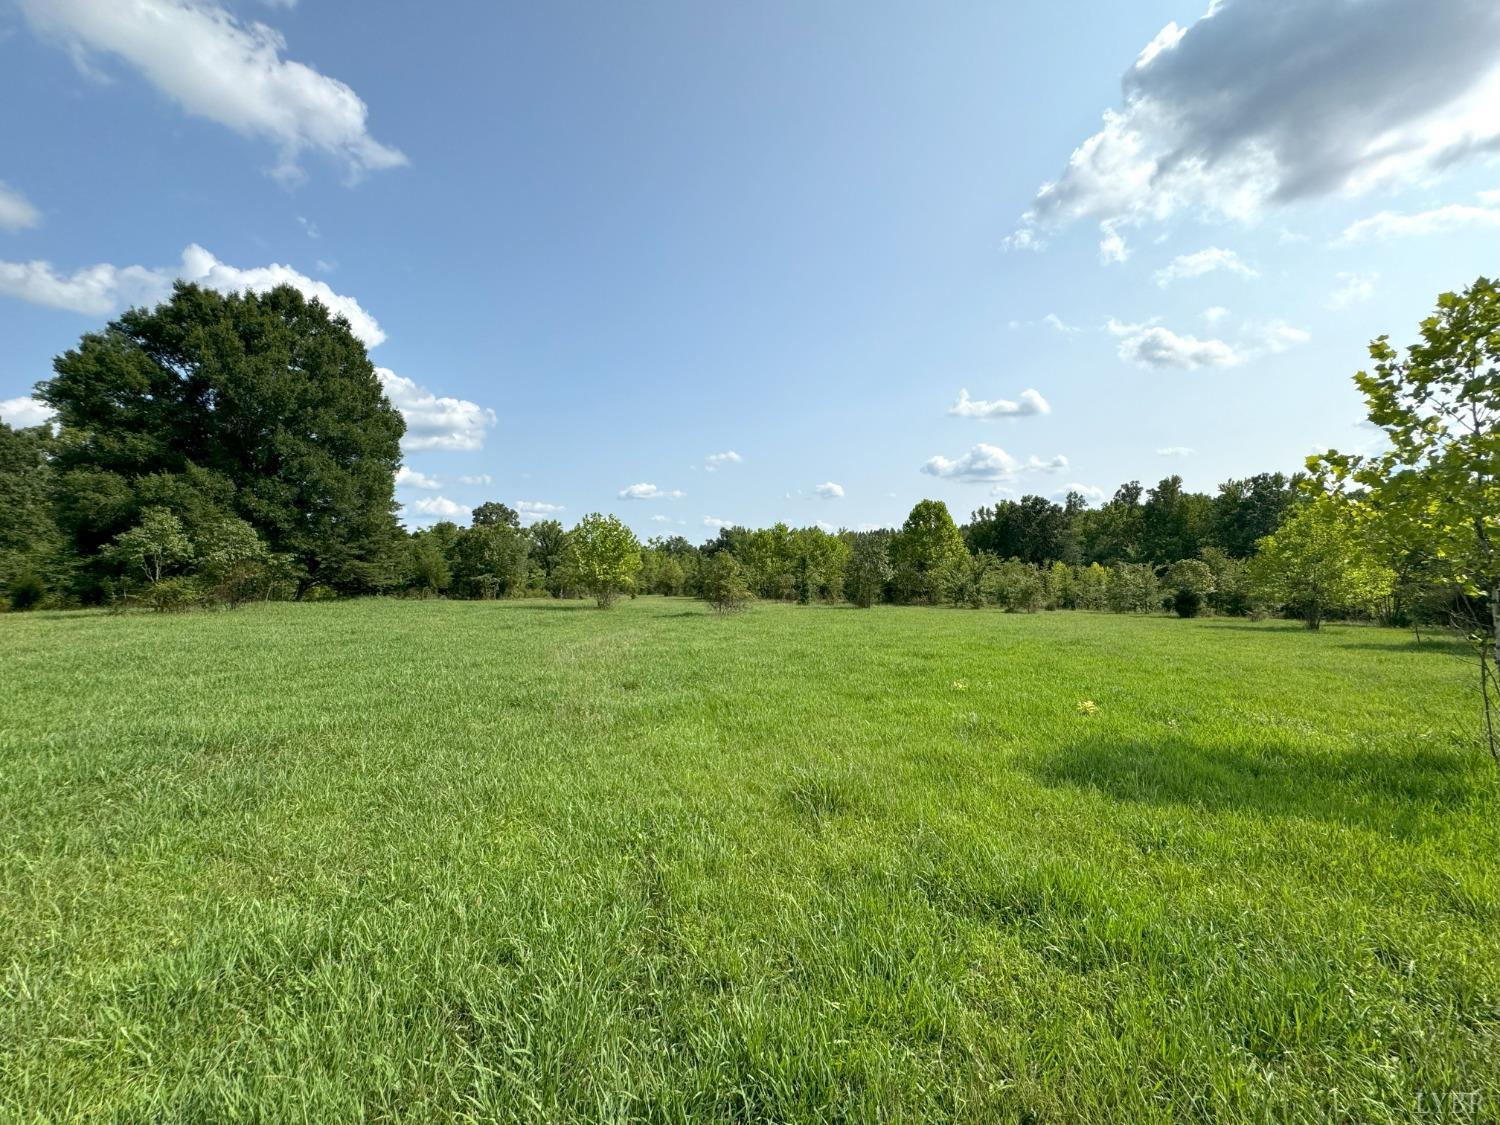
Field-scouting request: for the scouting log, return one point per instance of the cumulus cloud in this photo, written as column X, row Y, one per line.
column 1155, row 346
column 217, row 67
column 433, row 421
column 1175, row 451
column 24, row 411
column 1091, row 493
column 1440, row 220
column 1186, row 266
column 714, row 460
column 533, row 510
column 717, row 523
column 200, row 266
column 985, row 462
column 410, row 478
column 1030, row 402
column 16, row 211
column 645, row 491
column 102, row 289
column 477, row 479
column 1057, row 324
column 439, row 507
column 1151, row 345
column 828, row 490
column 1265, row 102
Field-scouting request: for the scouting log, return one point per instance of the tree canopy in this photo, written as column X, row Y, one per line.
column 260, row 406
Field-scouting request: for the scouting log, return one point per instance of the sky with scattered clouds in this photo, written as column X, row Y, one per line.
column 701, row 264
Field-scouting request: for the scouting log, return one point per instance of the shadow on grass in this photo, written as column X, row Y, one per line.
column 1385, row 791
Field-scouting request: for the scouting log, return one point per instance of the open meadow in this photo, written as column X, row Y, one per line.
column 530, row 861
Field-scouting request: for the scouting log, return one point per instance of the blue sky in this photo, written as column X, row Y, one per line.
column 595, row 245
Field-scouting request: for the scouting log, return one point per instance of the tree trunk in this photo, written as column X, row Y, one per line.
column 1495, row 622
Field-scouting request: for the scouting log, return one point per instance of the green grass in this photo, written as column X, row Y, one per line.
column 531, row 861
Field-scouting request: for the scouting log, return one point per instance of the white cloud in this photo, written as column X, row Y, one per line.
column 1112, row 248
column 1215, row 314
column 410, row 478
column 103, row 289
column 1030, row 402
column 1048, row 465
column 716, row 522
column 1277, row 336
column 24, row 411
column 434, row 422
column 1186, row 266
column 441, row 507
column 648, row 492
column 533, row 510
column 1090, row 493
column 1175, row 451
column 985, row 462
column 93, row 290
column 1265, row 102
column 216, row 67
column 1151, row 345
column 1057, row 324
column 198, row 265
column 659, row 518
column 828, row 490
column 1440, row 220
column 16, row 211
column 714, row 460
column 477, row 479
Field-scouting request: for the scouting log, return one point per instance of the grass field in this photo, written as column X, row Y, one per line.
column 531, row 861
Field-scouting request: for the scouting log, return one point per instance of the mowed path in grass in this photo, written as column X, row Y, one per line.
column 533, row 861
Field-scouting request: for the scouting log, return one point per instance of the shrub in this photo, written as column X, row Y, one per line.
column 171, row 595
column 27, row 592
column 724, row 585
column 1187, row 602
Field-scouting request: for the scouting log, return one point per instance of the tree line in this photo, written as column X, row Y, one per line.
column 220, row 448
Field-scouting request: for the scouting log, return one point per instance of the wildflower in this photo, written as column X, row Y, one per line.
column 1087, row 707
column 960, row 685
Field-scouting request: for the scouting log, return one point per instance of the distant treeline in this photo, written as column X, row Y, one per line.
column 221, row 448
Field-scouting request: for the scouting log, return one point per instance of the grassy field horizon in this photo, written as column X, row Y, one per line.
column 533, row 861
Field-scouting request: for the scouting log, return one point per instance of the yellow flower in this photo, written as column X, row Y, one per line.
column 1087, row 707
column 960, row 685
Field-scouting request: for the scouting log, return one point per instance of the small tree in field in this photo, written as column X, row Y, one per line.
column 869, row 569
column 605, row 556
column 155, row 546
column 1318, row 561
column 724, row 585
column 232, row 561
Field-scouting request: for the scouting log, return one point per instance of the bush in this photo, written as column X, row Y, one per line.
column 27, row 592
column 724, row 585
column 1187, row 602
column 171, row 595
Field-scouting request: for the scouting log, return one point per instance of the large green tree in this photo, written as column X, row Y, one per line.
column 29, row 540
column 926, row 547
column 259, row 406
